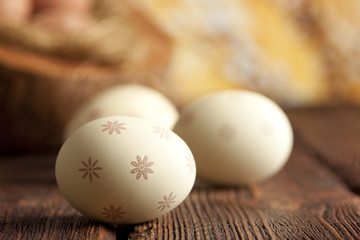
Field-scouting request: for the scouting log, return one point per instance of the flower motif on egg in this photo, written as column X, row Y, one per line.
column 226, row 132
column 164, row 133
column 112, row 212
column 142, row 167
column 90, row 169
column 111, row 127
column 167, row 202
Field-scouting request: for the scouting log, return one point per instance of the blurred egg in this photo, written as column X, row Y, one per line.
column 15, row 10
column 124, row 170
column 237, row 137
column 128, row 99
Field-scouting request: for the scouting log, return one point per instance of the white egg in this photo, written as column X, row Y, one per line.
column 124, row 170
column 127, row 99
column 237, row 137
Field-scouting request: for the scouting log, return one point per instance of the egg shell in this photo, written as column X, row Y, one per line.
column 124, row 170
column 127, row 99
column 237, row 137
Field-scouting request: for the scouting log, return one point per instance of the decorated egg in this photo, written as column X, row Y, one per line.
column 127, row 99
column 124, row 170
column 237, row 137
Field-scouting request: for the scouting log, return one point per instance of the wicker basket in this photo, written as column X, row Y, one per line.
column 46, row 75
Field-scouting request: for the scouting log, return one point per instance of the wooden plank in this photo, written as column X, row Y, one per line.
column 311, row 198
column 304, row 201
column 31, row 206
column 333, row 133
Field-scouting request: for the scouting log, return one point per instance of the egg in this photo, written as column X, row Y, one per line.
column 126, row 99
column 124, row 170
column 237, row 137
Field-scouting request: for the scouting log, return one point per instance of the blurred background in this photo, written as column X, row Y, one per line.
column 56, row 54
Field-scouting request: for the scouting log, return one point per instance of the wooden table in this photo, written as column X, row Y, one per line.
column 316, row 195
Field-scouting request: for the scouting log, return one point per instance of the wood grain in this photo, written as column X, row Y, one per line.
column 313, row 197
column 31, row 206
column 305, row 200
column 334, row 137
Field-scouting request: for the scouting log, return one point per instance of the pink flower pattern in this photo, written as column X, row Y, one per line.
column 167, row 202
column 110, row 127
column 90, row 169
column 113, row 213
column 164, row 133
column 142, row 167
column 226, row 132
